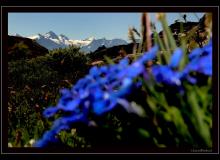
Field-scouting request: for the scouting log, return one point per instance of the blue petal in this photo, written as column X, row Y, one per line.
column 208, row 48
column 122, row 74
column 98, row 107
column 94, row 71
column 98, row 94
column 123, row 91
column 72, row 105
column 73, row 118
column 135, row 69
column 104, row 69
column 82, row 83
column 176, row 57
column 40, row 143
column 195, row 53
column 50, row 112
column 165, row 75
column 83, row 93
column 65, row 92
column 124, row 62
column 48, row 136
column 202, row 65
column 150, row 55
column 205, row 66
column 127, row 82
column 191, row 79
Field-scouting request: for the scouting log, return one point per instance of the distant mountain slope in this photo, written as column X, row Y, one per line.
column 47, row 43
column 96, row 43
column 51, row 41
column 22, row 48
column 111, row 52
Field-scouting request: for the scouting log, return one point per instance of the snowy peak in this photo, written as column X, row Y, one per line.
column 81, row 43
column 89, row 39
column 16, row 34
column 96, row 43
column 51, row 35
column 36, row 37
column 51, row 40
column 63, row 37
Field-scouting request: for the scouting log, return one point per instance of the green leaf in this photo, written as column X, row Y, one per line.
column 108, row 60
column 152, row 104
column 197, row 118
column 179, row 122
column 168, row 33
column 144, row 133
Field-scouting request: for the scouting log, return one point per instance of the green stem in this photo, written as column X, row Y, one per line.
column 168, row 32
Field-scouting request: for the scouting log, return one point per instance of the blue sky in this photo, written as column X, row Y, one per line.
column 83, row 25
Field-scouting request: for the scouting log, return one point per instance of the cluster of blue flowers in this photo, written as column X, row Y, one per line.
column 200, row 60
column 104, row 88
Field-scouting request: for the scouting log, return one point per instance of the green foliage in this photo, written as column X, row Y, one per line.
column 70, row 59
column 19, row 51
column 185, row 114
column 34, row 84
column 29, row 72
column 72, row 139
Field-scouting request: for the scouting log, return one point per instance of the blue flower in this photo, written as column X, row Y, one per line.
column 71, row 105
column 135, row 69
column 164, row 74
column 63, row 123
column 150, row 55
column 202, row 65
column 200, row 62
column 124, row 62
column 196, row 53
column 99, row 106
column 176, row 57
column 97, row 93
column 103, row 88
column 48, row 137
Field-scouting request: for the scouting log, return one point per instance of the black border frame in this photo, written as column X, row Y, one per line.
column 4, row 32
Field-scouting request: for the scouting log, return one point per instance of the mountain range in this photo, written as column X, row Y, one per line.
column 51, row 41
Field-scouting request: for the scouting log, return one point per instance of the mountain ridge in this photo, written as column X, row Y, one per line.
column 24, row 48
column 51, row 40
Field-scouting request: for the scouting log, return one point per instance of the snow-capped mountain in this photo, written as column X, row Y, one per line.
column 47, row 42
column 96, row 43
column 82, row 43
column 51, row 41
column 16, row 34
column 51, row 35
